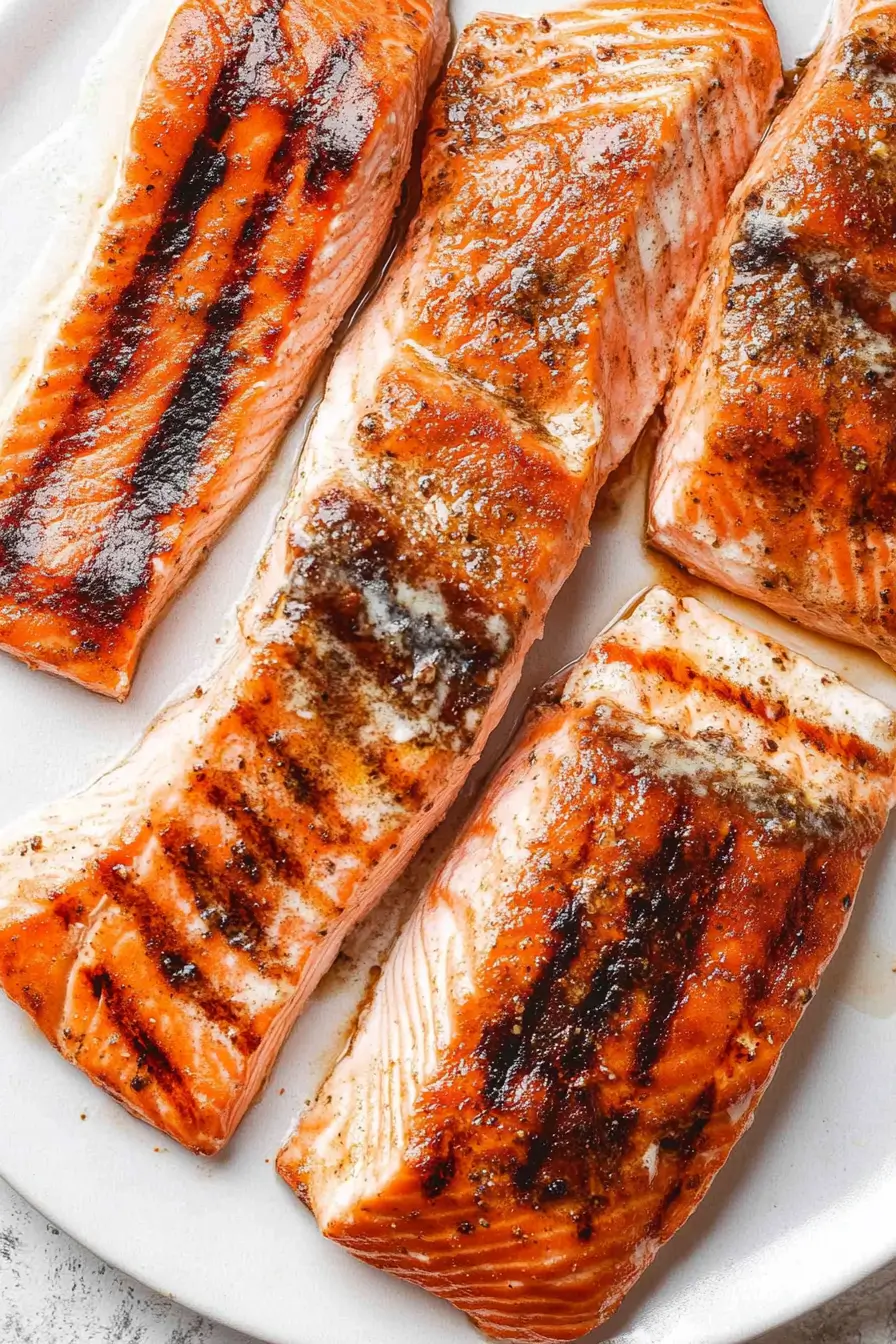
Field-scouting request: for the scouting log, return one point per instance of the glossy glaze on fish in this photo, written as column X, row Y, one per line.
column 262, row 175
column 579, row 1020
column 777, row 476
column 169, row 926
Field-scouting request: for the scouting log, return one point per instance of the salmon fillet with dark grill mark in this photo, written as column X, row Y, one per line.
column 263, row 170
column 443, row 499
column 581, row 1017
column 777, row 475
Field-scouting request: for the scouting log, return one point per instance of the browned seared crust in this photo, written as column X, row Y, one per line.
column 777, row 476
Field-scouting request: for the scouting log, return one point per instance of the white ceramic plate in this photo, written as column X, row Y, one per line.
column 804, row 1208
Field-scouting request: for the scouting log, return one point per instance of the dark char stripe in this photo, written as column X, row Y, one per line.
column 300, row 780
column 329, row 674
column 509, row 1052
column 680, row 890
column 554, row 1042
column 243, row 79
column 681, row 1145
column 163, row 945
column 222, row 901
column 563, row 1134
column 297, row 762
column 348, row 580
column 261, row 852
column 787, row 940
column 153, row 1061
column 301, row 760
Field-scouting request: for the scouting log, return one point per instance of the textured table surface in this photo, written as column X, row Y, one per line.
column 53, row 1292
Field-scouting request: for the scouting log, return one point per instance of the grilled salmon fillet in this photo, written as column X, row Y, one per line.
column 261, row 178
column 168, row 925
column 579, row 1020
column 776, row 476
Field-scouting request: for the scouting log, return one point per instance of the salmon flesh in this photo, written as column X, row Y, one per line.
column 165, row 928
column 777, row 475
column 581, row 1017
column 261, row 178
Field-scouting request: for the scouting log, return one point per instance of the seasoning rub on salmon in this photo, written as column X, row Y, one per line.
column 173, row 920
column 777, row 476
column 263, row 171
column 578, row 1022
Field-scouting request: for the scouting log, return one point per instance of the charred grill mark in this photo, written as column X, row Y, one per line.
column 301, row 780
column 302, row 775
column 244, row 76
column 680, row 889
column 511, row 1047
column 302, row 783
column 427, row 646
column 337, row 731
column 570, row 1080
column 551, row 1044
column 850, row 749
column 326, row 131
column 684, row 1139
column 203, row 173
column 152, row 1060
column 114, row 576
column 666, row 920
column 328, row 677
column 339, row 117
column 260, row 852
column 163, row 944
column 573, row 1122
column 440, row 1167
column 222, row 901
column 786, row 941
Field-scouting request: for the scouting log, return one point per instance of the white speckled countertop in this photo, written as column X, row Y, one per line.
column 54, row 1292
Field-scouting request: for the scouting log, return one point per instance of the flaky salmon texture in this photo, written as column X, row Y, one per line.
column 776, row 476
column 579, row 1020
column 165, row 928
column 263, row 170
